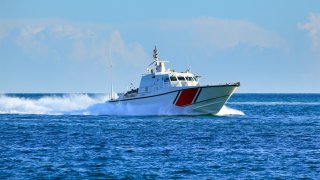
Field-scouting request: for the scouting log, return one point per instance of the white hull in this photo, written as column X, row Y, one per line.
column 204, row 99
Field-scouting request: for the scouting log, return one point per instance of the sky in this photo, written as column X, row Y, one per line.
column 59, row 46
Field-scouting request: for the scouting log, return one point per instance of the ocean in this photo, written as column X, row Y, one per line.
column 78, row 136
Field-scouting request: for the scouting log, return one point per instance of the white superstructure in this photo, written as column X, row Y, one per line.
column 182, row 89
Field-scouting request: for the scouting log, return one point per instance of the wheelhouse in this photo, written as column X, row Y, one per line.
column 161, row 79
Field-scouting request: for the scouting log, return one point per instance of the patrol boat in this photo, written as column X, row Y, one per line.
column 166, row 87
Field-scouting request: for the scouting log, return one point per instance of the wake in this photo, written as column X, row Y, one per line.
column 50, row 104
column 83, row 104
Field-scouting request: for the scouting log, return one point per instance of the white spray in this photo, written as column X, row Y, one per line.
column 83, row 104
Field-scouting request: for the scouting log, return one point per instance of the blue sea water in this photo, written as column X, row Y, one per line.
column 75, row 136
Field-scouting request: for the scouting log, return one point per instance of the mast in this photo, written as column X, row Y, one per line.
column 155, row 54
column 160, row 67
column 112, row 93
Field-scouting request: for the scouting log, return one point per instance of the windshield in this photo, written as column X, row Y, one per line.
column 181, row 78
column 189, row 78
column 173, row 78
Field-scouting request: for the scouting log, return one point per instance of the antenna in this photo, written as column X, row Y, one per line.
column 112, row 93
column 189, row 65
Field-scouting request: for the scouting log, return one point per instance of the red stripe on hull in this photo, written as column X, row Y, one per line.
column 186, row 97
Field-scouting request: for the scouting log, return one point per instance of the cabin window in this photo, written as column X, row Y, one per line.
column 166, row 79
column 173, row 78
column 189, row 78
column 181, row 78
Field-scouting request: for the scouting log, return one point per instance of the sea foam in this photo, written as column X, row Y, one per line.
column 50, row 104
column 84, row 104
column 227, row 111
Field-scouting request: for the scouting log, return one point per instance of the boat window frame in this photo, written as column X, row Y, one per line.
column 184, row 78
column 190, row 78
column 172, row 76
